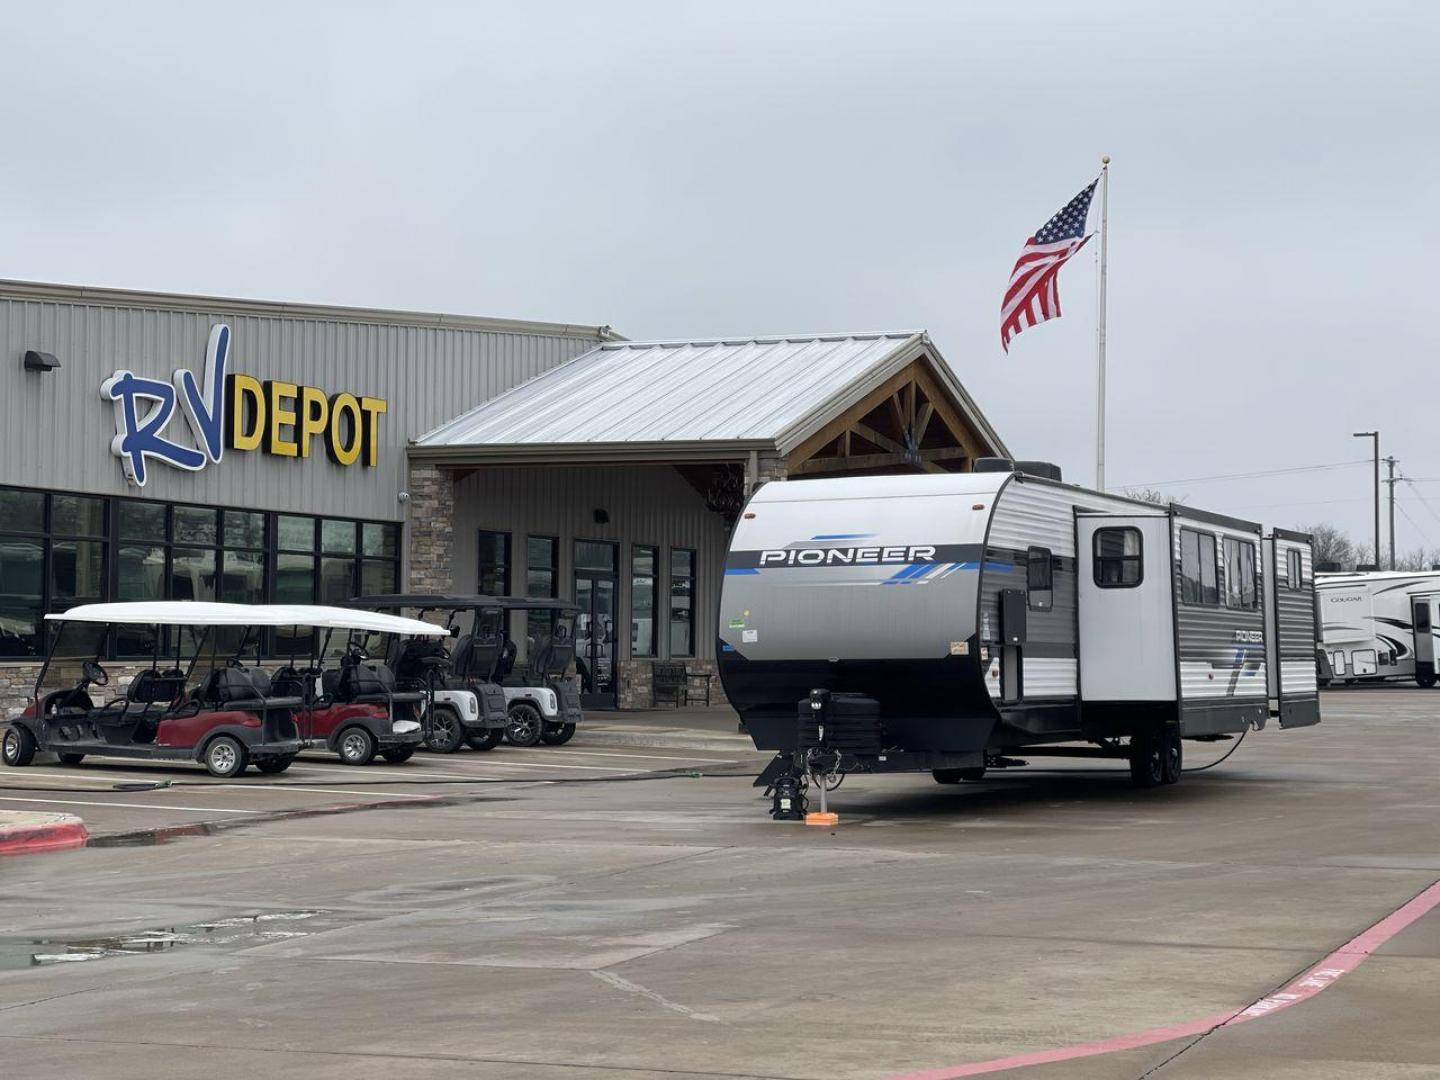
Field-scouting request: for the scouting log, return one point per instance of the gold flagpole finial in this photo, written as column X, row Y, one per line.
column 1104, row 159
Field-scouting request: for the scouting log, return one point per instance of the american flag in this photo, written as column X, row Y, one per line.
column 1033, row 295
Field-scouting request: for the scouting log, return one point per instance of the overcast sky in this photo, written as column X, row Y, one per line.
column 687, row 169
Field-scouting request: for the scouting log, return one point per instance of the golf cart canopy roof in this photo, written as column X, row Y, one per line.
column 438, row 602
column 203, row 613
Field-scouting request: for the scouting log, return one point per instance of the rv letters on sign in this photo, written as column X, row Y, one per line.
column 235, row 411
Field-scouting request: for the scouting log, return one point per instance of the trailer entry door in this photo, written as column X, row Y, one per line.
column 1422, row 609
column 1126, row 599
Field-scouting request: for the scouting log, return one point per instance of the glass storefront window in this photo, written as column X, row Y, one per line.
column 22, row 576
column 337, row 580
column 192, row 574
column 243, row 578
column 195, row 525
column 377, row 577
column 244, row 529
column 493, row 575
column 595, row 555
column 77, row 573
column 142, row 521
column 76, row 515
column 337, row 537
column 22, row 511
column 295, row 533
column 380, row 540
column 140, row 573
column 643, row 564
column 682, row 600
column 294, row 579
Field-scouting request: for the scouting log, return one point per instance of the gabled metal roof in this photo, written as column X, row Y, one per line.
column 637, row 398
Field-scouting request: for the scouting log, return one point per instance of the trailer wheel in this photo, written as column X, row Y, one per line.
column 225, row 757
column 356, row 746
column 525, row 725
column 1174, row 765
column 491, row 739
column 396, row 754
column 1147, row 759
column 70, row 759
column 956, row 776
column 1425, row 679
column 446, row 731
column 557, row 734
column 271, row 766
column 19, row 746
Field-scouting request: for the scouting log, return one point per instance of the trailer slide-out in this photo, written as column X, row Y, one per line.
column 943, row 623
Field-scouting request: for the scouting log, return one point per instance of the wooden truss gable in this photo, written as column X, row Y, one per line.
column 909, row 424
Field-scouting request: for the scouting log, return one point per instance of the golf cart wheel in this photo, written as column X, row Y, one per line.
column 396, row 754
column 557, row 734
column 19, row 746
column 271, row 766
column 491, row 739
column 356, row 746
column 1174, row 762
column 225, row 757
column 956, row 776
column 446, row 731
column 525, row 725
column 1147, row 759
column 70, row 759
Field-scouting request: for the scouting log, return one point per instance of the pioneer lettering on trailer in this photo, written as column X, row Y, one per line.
column 848, row 555
column 819, row 554
column 225, row 410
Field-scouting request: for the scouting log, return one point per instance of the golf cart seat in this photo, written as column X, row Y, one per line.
column 358, row 681
column 507, row 660
column 291, row 682
column 234, row 686
column 555, row 656
column 152, row 687
column 417, row 658
column 473, row 658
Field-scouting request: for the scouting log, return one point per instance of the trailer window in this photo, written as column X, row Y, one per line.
column 1198, row 583
column 1039, row 579
column 1118, row 558
column 1239, row 573
column 1294, row 576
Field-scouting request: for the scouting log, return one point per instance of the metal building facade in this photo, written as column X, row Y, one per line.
column 56, row 430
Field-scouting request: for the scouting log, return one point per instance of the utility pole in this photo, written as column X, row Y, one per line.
column 1375, row 435
column 1391, row 480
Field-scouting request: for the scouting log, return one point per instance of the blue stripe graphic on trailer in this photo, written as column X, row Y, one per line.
column 843, row 536
column 734, row 571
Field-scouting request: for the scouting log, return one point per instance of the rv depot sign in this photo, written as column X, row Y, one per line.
column 226, row 410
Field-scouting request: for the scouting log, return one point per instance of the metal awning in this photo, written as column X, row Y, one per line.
column 690, row 400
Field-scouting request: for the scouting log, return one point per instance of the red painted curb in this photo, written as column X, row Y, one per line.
column 1309, row 983
column 28, row 840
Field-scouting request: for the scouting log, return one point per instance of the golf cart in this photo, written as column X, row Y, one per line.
column 540, row 702
column 456, row 714
column 206, row 709
column 357, row 707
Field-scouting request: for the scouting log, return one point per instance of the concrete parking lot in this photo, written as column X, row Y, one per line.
column 632, row 912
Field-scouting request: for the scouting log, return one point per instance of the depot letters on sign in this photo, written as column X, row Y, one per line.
column 230, row 410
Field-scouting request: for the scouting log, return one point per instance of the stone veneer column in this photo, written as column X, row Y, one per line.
column 430, row 523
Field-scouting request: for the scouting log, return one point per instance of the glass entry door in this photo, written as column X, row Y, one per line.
column 595, row 587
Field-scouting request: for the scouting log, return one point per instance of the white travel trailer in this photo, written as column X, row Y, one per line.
column 945, row 622
column 1379, row 625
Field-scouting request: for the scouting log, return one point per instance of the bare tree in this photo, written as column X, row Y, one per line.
column 1152, row 495
column 1331, row 547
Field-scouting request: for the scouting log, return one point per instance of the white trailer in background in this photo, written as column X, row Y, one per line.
column 1379, row 625
column 947, row 622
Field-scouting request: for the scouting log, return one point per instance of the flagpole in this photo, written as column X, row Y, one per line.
column 1100, row 326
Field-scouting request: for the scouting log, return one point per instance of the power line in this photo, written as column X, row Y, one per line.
column 1415, row 524
column 1244, row 476
column 1424, row 501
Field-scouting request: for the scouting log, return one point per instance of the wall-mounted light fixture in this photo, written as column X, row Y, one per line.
column 40, row 361
column 602, row 517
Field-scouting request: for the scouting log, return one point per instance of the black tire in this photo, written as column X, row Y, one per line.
column 397, row 754
column 446, row 732
column 272, row 766
column 18, row 746
column 1425, row 679
column 526, row 725
column 557, row 734
column 957, row 776
column 355, row 745
column 70, row 759
column 226, row 757
column 1173, row 766
column 1147, row 759
column 492, row 738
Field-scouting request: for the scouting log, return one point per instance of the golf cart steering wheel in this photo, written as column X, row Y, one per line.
column 94, row 673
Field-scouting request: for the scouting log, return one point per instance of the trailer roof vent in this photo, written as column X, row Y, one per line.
column 1366, row 567
column 1327, row 568
column 1042, row 469
column 993, row 464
